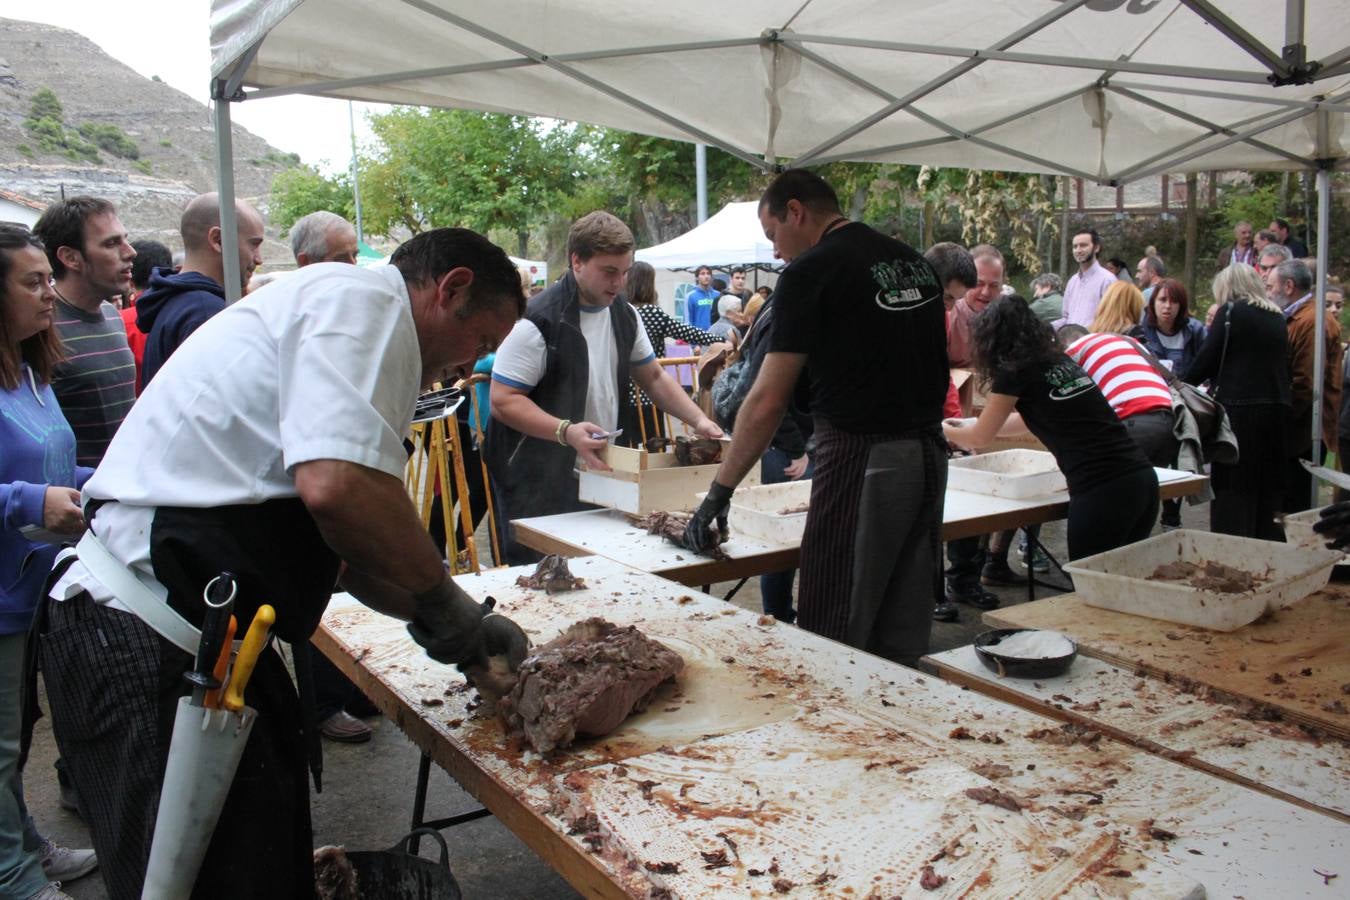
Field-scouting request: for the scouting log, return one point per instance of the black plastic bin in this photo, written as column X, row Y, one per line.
column 396, row 874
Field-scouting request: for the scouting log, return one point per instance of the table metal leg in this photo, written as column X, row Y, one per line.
column 732, row 593
column 1034, row 544
column 420, row 808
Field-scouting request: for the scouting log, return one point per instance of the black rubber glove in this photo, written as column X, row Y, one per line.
column 503, row 637
column 1335, row 524
column 708, row 527
column 448, row 624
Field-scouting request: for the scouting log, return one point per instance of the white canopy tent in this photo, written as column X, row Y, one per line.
column 1107, row 90
column 730, row 237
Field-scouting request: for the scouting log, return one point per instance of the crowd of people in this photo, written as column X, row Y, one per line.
column 176, row 438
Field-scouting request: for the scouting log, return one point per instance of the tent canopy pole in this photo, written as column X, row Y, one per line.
column 229, row 225
column 1320, row 301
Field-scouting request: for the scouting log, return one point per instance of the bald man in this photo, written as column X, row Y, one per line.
column 177, row 304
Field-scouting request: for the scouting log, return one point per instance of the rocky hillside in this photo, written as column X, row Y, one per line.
column 170, row 134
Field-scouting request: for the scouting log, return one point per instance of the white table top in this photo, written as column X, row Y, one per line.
column 607, row 532
column 1209, row 733
column 834, row 763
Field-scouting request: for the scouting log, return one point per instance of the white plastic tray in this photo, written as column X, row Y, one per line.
column 1015, row 474
column 1298, row 530
column 756, row 512
column 1122, row 580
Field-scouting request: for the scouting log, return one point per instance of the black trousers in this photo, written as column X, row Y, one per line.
column 1113, row 513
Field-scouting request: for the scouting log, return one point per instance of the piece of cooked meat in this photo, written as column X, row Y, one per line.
column 585, row 682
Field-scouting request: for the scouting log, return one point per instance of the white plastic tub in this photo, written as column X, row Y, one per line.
column 1015, row 474
column 1298, row 530
column 757, row 512
column 1122, row 579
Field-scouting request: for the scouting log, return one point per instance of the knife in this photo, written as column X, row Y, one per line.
column 212, row 698
column 1330, row 476
column 249, row 651
column 219, row 599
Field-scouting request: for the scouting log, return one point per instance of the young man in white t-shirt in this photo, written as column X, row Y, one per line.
column 562, row 376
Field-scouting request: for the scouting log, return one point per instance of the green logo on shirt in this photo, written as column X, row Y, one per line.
column 1068, row 381
column 904, row 285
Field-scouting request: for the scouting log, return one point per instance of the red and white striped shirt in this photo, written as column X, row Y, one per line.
column 1122, row 373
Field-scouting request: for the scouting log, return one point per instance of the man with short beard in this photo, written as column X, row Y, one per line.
column 560, row 382
column 1289, row 286
column 878, row 373
column 1148, row 273
column 1089, row 284
column 90, row 256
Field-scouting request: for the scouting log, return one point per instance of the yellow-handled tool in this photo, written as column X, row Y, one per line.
column 249, row 651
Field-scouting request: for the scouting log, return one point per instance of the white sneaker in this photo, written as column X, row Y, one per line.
column 64, row 864
column 52, row 892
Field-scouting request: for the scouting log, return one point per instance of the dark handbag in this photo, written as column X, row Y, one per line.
column 733, row 383
column 1210, row 417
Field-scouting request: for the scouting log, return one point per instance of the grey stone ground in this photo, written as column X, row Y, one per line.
column 368, row 788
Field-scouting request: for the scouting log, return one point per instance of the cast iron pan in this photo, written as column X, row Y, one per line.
column 986, row 648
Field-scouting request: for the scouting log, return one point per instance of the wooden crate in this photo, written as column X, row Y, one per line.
column 642, row 482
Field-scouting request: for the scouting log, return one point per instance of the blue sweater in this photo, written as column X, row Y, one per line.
column 699, row 305
column 174, row 306
column 37, row 450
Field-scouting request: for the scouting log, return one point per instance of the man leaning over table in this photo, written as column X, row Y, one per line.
column 561, row 378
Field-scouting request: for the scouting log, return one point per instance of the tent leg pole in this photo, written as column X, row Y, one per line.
column 701, row 177
column 229, row 226
column 1320, row 286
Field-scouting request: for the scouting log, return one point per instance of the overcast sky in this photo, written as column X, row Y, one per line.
column 169, row 38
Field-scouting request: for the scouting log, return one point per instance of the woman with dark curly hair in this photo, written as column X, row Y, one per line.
column 1033, row 386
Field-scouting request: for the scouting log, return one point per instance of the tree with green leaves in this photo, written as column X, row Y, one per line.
column 436, row 167
column 651, row 181
column 301, row 190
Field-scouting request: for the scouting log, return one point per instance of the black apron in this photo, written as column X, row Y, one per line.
column 263, row 845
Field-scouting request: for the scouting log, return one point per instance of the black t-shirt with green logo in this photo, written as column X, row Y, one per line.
column 1065, row 409
column 867, row 311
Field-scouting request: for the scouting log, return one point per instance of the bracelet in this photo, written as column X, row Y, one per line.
column 561, row 432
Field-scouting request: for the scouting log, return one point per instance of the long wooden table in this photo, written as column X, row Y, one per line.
column 780, row 761
column 1294, row 663
column 1186, row 724
column 607, row 532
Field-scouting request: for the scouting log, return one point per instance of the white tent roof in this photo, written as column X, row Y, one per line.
column 1111, row 90
column 731, row 237
column 1108, row 90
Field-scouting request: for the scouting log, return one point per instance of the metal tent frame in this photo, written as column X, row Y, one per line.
column 1277, row 90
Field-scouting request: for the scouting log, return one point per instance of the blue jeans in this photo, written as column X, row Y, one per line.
column 775, row 589
column 21, row 874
